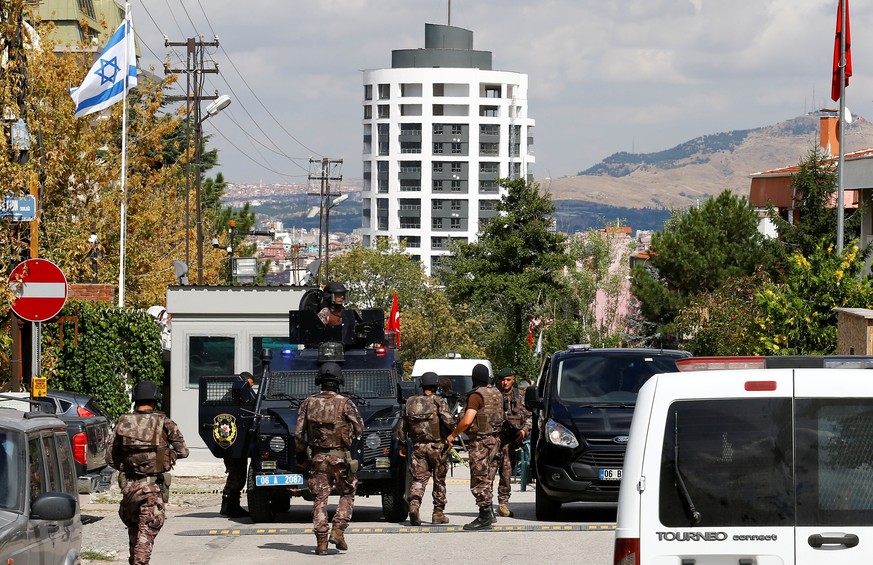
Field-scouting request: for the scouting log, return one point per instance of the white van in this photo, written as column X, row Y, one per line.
column 758, row 466
column 458, row 371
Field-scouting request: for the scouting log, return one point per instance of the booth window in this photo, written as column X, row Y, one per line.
column 209, row 356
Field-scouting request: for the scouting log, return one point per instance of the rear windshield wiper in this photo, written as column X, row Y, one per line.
column 677, row 475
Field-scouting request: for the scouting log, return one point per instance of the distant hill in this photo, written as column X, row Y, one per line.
column 637, row 189
column 699, row 168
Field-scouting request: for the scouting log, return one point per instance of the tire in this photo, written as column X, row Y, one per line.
column 546, row 508
column 394, row 505
column 260, row 509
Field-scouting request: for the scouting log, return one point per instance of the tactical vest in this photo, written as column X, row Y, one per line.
column 512, row 407
column 326, row 426
column 144, row 448
column 489, row 418
column 423, row 419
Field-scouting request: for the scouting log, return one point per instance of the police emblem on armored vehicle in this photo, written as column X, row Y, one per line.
column 224, row 430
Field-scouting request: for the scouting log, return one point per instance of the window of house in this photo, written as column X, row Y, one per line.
column 437, row 166
column 437, row 205
column 437, row 148
column 384, row 111
column 489, row 168
column 457, row 129
column 436, row 185
column 436, row 223
column 410, row 147
column 384, row 91
column 456, row 148
column 437, row 242
column 456, row 186
column 437, row 129
column 456, row 223
column 456, row 167
column 368, row 112
column 368, row 92
column 87, row 8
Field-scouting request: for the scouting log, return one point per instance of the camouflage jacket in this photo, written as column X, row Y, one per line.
column 426, row 418
column 145, row 443
column 327, row 420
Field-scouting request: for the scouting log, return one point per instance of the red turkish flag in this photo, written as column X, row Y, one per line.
column 530, row 329
column 394, row 319
column 835, row 82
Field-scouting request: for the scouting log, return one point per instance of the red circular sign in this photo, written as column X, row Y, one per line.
column 40, row 288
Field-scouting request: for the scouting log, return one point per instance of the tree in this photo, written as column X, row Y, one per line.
column 699, row 249
column 797, row 317
column 500, row 278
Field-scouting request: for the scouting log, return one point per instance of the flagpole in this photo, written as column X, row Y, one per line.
column 842, row 121
column 121, row 244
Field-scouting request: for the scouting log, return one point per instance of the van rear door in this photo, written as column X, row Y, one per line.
column 834, row 438
column 717, row 480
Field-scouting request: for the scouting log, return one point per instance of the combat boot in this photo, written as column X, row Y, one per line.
column 483, row 521
column 337, row 537
column 503, row 510
column 414, row 518
column 321, row 545
column 230, row 507
column 438, row 517
column 493, row 515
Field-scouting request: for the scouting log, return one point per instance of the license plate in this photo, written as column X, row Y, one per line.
column 278, row 480
column 610, row 474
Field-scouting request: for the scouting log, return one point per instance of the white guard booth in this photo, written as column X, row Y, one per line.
column 220, row 331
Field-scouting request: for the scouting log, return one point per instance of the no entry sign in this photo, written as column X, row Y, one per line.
column 40, row 289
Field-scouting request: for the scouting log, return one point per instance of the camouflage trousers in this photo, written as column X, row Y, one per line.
column 142, row 511
column 428, row 461
column 483, row 451
column 331, row 471
column 236, row 470
column 507, row 459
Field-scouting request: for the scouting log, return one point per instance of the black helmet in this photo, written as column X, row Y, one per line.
column 430, row 379
column 145, row 391
column 330, row 373
column 481, row 375
column 332, row 289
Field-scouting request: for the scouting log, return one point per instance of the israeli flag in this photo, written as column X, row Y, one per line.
column 104, row 85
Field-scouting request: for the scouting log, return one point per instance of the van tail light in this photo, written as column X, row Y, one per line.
column 84, row 412
column 627, row 551
column 80, row 448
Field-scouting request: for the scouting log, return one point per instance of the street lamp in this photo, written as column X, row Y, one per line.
column 216, row 106
column 339, row 199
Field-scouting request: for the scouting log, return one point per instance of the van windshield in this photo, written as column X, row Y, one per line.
column 592, row 378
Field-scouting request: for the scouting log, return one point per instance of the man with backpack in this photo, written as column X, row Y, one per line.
column 327, row 423
column 144, row 447
column 426, row 422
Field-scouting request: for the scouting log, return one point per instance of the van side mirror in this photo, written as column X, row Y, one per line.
column 532, row 400
column 405, row 390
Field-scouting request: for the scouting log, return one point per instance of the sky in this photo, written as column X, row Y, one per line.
column 604, row 76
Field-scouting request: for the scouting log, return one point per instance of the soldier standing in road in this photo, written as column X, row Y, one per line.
column 143, row 447
column 236, row 467
column 515, row 429
column 328, row 422
column 427, row 421
column 482, row 420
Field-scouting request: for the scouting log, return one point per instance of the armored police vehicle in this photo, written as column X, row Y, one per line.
column 234, row 422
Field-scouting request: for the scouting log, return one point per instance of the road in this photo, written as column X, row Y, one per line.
column 195, row 533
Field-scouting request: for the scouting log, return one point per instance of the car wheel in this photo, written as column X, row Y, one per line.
column 394, row 505
column 260, row 509
column 546, row 508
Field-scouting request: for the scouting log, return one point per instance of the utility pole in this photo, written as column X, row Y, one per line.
column 324, row 195
column 195, row 68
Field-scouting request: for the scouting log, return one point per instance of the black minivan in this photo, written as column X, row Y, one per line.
column 582, row 405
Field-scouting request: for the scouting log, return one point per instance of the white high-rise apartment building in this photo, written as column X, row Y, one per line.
column 439, row 127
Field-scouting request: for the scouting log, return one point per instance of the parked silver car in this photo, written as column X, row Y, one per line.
column 39, row 504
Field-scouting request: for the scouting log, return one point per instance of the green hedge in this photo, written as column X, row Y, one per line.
column 116, row 348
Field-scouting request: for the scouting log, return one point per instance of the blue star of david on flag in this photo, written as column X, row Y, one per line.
column 112, row 65
column 103, row 85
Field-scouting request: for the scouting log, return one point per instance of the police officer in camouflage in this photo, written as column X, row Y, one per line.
column 515, row 429
column 483, row 421
column 426, row 422
column 144, row 447
column 327, row 422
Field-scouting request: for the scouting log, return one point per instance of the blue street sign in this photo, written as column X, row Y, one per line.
column 19, row 209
